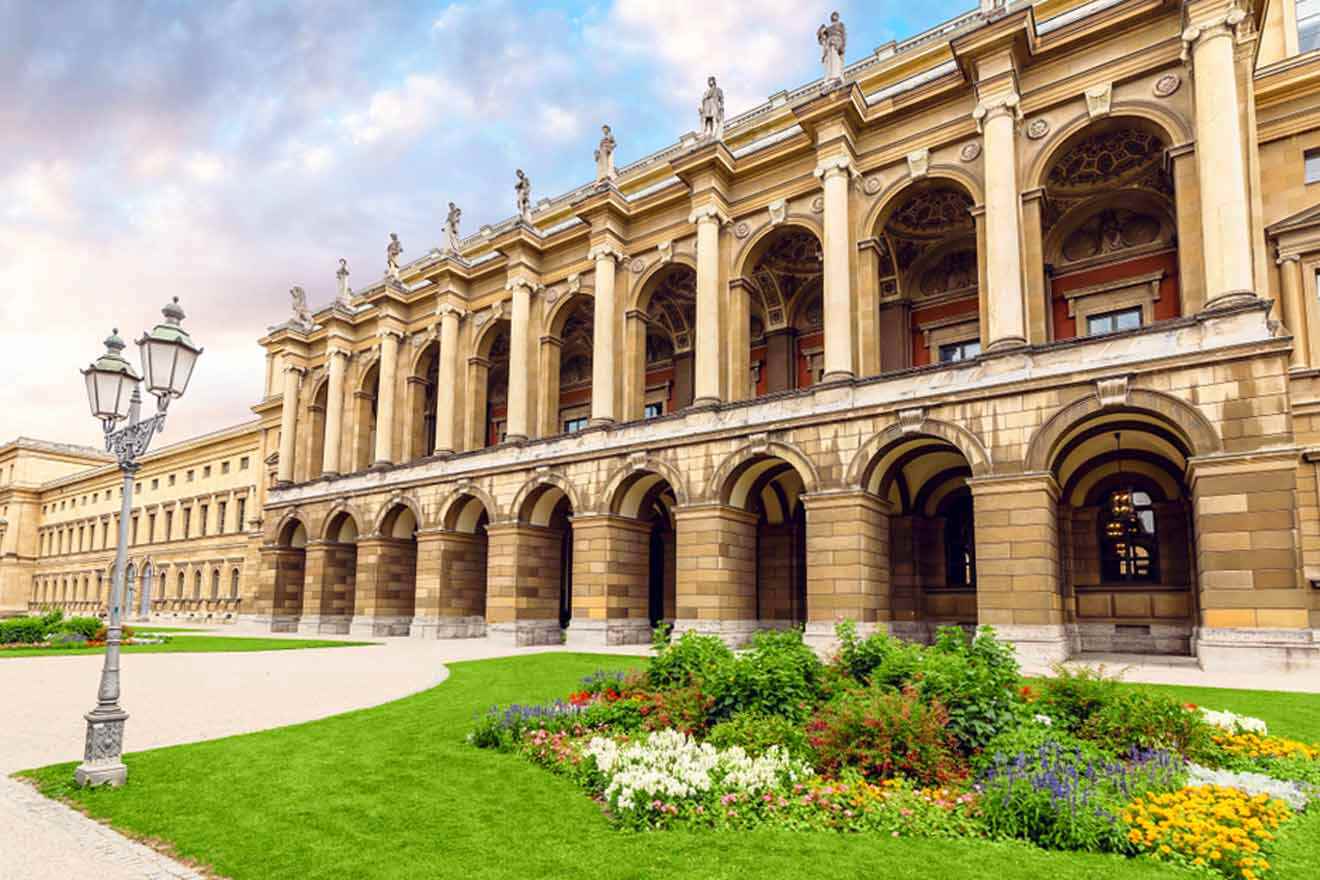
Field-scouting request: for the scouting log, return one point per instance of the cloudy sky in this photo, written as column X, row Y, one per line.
column 222, row 152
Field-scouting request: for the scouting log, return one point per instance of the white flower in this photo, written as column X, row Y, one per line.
column 1044, row 719
column 1294, row 794
column 669, row 765
column 1233, row 722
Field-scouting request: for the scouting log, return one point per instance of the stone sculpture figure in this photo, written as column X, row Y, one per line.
column 451, row 228
column 833, row 39
column 302, row 315
column 344, row 294
column 605, row 155
column 711, row 111
column 522, row 190
column 392, row 252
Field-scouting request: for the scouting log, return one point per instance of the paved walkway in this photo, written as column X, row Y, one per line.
column 178, row 698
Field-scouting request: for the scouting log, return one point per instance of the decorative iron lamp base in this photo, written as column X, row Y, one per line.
column 103, row 762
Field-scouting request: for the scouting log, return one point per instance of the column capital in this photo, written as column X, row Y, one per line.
column 707, row 213
column 1288, row 258
column 1224, row 23
column 834, row 166
column 295, row 368
column 445, row 310
column 1008, row 102
column 334, row 351
column 606, row 252
column 386, row 332
column 513, row 285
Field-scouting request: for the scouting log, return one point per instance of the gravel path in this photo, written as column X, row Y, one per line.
column 178, row 698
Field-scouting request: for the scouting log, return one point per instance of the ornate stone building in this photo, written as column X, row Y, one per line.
column 1015, row 322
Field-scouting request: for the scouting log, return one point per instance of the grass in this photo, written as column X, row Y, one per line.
column 394, row 792
column 190, row 645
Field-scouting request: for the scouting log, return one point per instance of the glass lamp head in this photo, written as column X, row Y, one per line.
column 168, row 355
column 110, row 382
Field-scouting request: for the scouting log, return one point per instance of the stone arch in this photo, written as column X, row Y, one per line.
column 563, row 307
column 1171, row 128
column 422, row 350
column 617, row 496
column 483, row 335
column 1068, row 223
column 971, row 447
column 1184, row 419
column 360, row 519
column 643, row 284
column 284, row 528
column 724, row 485
column 745, row 259
column 395, row 501
column 454, row 510
column 892, row 196
column 526, row 506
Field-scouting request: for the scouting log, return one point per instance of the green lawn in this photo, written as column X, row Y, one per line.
column 191, row 645
column 394, row 792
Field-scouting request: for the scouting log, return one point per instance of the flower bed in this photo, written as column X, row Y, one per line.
column 898, row 739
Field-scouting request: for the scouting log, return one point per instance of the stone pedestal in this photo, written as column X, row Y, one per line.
column 1039, row 646
column 319, row 624
column 525, row 633
column 379, row 626
column 448, row 627
column 1257, row 650
column 735, row 633
column 604, row 633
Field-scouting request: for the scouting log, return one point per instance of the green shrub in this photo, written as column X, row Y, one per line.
column 879, row 657
column 1031, row 737
column 778, row 675
column 686, row 709
column 883, row 734
column 68, row 638
column 976, row 680
column 677, row 663
column 87, row 627
column 1071, row 697
column 756, row 733
column 29, row 630
column 1147, row 720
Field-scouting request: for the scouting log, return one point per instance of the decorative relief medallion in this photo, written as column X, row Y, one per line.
column 818, row 205
column 872, row 185
column 1167, row 85
column 1038, row 128
column 970, row 151
column 742, row 229
column 637, row 266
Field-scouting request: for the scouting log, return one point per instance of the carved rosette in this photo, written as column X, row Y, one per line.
column 1166, row 85
column 742, row 229
column 872, row 185
column 970, row 151
column 1038, row 128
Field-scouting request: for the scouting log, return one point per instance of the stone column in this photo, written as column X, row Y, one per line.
column 517, row 427
column 334, row 411
column 1253, row 600
column 288, row 423
column 848, row 569
column 611, row 581
column 836, row 299
column 451, row 585
column 277, row 603
column 1017, row 565
column 604, row 376
column 716, row 579
column 1294, row 308
column 1221, row 169
column 389, row 361
column 447, row 377
column 384, row 586
column 708, row 329
column 997, row 117
column 522, row 584
column 328, row 587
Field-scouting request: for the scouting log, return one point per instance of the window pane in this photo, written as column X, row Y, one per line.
column 1099, row 324
column 1129, row 320
column 1307, row 8
column 1313, row 156
column 971, row 349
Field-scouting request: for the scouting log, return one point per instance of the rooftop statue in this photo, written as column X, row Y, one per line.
column 345, row 294
column 392, row 252
column 302, row 316
column 522, row 190
column 451, row 228
column 711, row 111
column 605, row 155
column 833, row 39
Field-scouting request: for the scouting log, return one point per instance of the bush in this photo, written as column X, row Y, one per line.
column 976, row 680
column 23, row 630
column 778, row 675
column 103, row 632
column 1071, row 697
column 1147, row 720
column 1030, row 738
column 686, row 709
column 87, row 627
column 757, row 733
column 883, row 734
column 877, row 658
column 1054, row 798
column 691, row 657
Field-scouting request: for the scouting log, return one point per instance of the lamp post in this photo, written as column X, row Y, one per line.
column 168, row 356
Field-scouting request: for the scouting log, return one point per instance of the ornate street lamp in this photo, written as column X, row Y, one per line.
column 113, row 393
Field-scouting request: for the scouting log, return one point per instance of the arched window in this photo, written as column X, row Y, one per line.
column 197, row 585
column 215, row 583
column 1129, row 545
column 178, row 589
column 233, row 584
column 959, row 542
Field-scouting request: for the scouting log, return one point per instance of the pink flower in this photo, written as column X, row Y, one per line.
column 767, row 797
column 905, row 812
column 893, row 834
column 700, row 809
column 848, row 813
